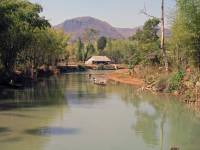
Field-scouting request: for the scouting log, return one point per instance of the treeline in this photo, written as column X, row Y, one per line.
column 143, row 47
column 183, row 45
column 27, row 39
column 185, row 40
column 143, row 52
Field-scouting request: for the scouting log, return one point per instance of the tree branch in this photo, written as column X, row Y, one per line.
column 144, row 11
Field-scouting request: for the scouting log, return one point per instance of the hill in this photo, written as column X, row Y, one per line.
column 77, row 26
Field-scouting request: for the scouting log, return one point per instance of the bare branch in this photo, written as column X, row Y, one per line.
column 144, row 11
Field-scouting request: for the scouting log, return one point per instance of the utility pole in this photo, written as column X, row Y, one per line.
column 162, row 44
column 162, row 29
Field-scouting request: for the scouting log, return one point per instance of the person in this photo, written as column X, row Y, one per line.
column 89, row 76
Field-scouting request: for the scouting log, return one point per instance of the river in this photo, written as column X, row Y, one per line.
column 71, row 113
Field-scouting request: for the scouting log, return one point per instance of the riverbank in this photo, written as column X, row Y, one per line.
column 182, row 84
column 27, row 77
column 123, row 76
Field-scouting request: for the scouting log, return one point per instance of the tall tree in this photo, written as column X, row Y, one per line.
column 90, row 37
column 89, row 49
column 149, row 32
column 79, row 50
column 147, row 40
column 162, row 45
column 186, row 30
column 22, row 17
column 162, row 28
column 101, row 44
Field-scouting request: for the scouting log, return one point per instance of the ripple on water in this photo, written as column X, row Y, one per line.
column 52, row 131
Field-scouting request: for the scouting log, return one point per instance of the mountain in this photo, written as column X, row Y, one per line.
column 77, row 26
column 127, row 32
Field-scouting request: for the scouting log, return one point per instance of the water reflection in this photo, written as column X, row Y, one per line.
column 54, row 113
column 165, row 123
column 4, row 130
column 80, row 91
column 11, row 140
column 52, row 131
column 47, row 92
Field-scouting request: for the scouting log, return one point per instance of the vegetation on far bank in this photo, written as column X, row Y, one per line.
column 27, row 42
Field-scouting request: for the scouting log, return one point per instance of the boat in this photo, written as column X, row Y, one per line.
column 100, row 81
column 97, row 80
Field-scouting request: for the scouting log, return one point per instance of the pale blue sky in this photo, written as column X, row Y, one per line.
column 119, row 13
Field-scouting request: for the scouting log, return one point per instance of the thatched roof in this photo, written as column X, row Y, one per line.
column 98, row 59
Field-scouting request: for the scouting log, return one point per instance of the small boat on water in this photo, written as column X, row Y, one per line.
column 100, row 81
column 97, row 80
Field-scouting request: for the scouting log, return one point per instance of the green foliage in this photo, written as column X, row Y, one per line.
column 19, row 19
column 46, row 47
column 89, row 49
column 149, row 31
column 123, row 51
column 185, row 40
column 81, row 68
column 26, row 39
column 101, row 44
column 79, row 50
column 175, row 81
column 148, row 42
column 90, row 35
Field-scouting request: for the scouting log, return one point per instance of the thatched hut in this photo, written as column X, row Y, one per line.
column 96, row 60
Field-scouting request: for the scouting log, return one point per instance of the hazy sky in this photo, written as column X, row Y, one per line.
column 119, row 13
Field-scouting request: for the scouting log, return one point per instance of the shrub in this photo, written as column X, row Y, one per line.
column 175, row 81
column 81, row 68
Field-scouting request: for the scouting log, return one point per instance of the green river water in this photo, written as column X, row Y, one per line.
column 71, row 113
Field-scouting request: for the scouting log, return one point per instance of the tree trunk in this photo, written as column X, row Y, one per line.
column 198, row 52
column 163, row 38
column 8, row 61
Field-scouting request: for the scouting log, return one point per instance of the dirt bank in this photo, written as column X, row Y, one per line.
column 123, row 76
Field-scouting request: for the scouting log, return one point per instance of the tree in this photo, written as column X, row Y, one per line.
column 46, row 47
column 90, row 37
column 162, row 28
column 148, row 41
column 188, row 31
column 89, row 49
column 101, row 44
column 22, row 17
column 181, row 42
column 149, row 31
column 79, row 50
column 123, row 51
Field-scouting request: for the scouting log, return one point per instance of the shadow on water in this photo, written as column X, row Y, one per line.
column 162, row 121
column 62, row 90
column 15, row 139
column 52, row 131
column 17, row 115
column 4, row 130
column 159, row 121
column 47, row 92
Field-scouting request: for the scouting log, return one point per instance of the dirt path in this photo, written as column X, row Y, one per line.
column 123, row 76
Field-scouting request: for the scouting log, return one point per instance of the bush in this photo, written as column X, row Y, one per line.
column 81, row 68
column 175, row 81
column 161, row 84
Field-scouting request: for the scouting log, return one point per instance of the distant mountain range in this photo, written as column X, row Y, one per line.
column 77, row 26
